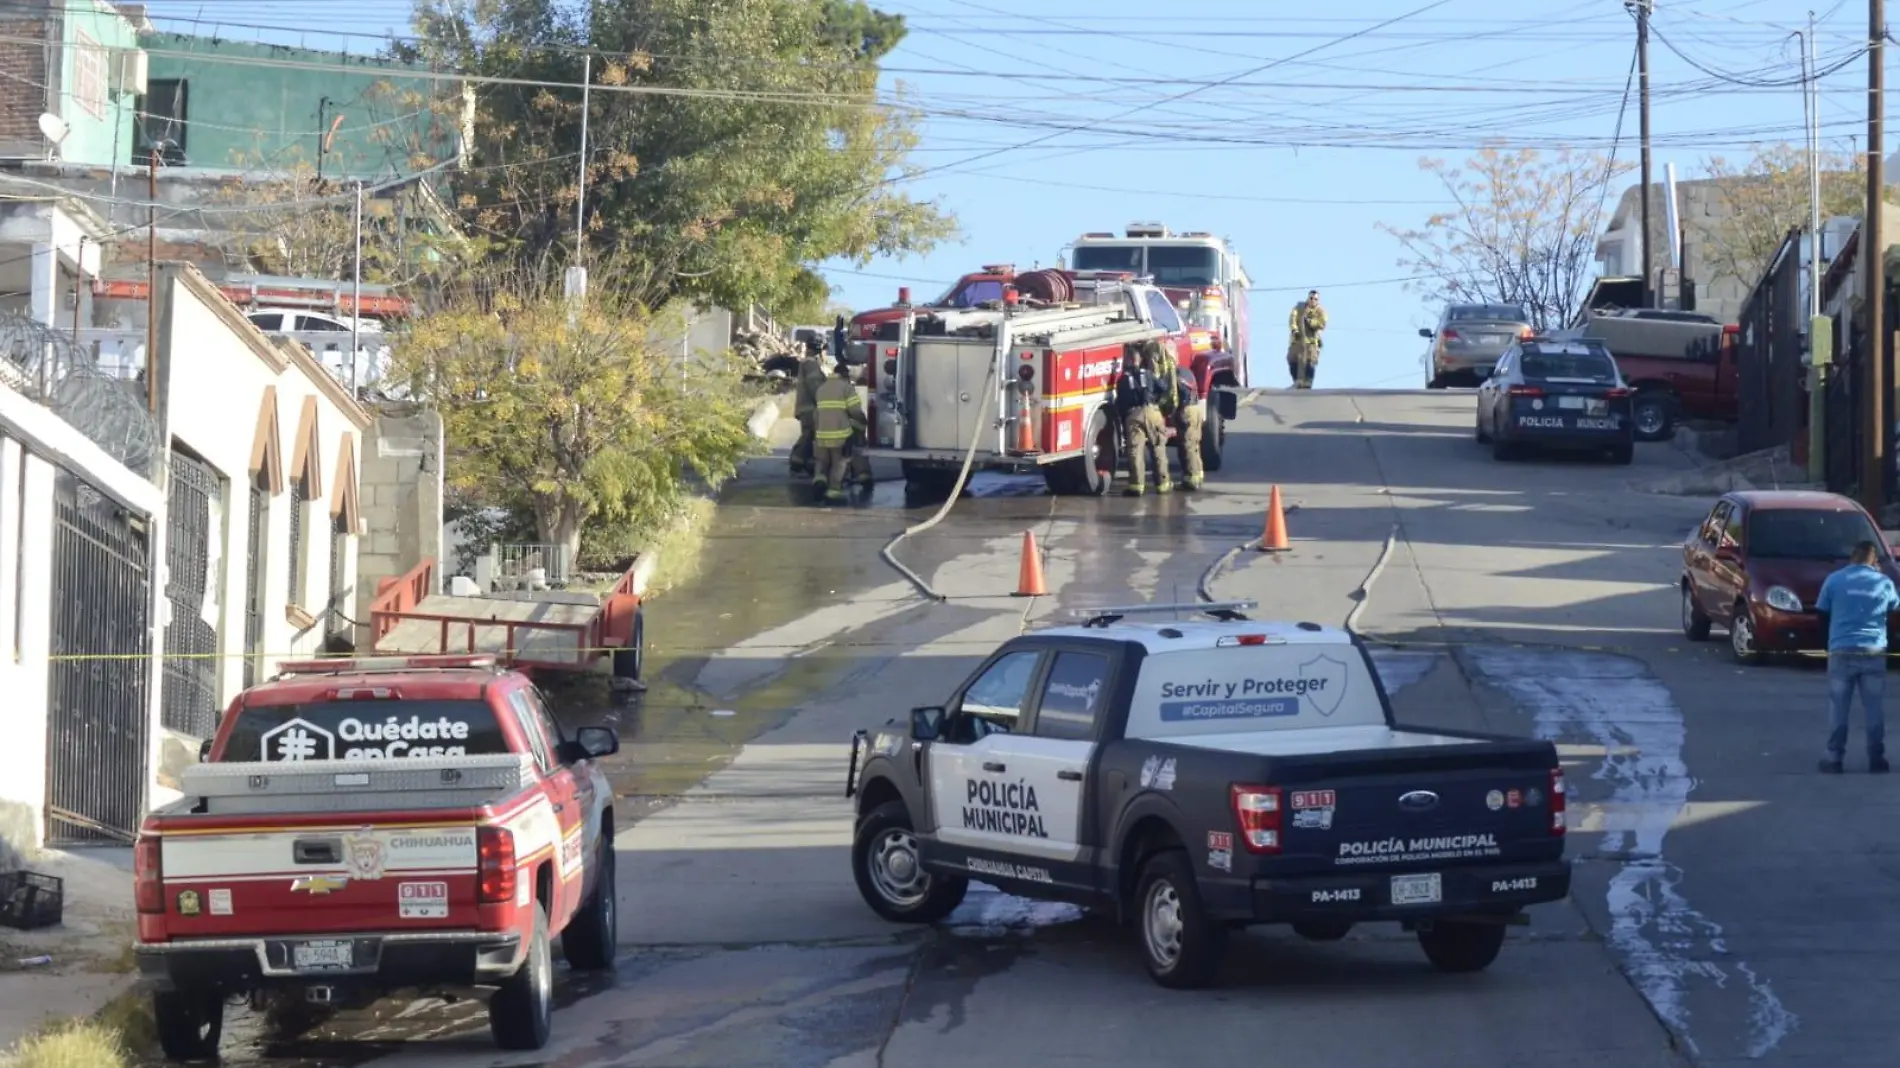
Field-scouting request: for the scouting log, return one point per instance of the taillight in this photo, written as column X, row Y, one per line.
column 1257, row 809
column 1448, row 335
column 1526, row 391
column 1525, row 333
column 1618, row 393
column 149, row 875
column 495, row 863
column 1558, row 801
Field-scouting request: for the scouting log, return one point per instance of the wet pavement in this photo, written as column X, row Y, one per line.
column 1532, row 598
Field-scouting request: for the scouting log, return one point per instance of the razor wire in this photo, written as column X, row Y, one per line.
column 107, row 407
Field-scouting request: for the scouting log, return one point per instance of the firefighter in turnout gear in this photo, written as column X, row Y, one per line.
column 1305, row 327
column 1138, row 395
column 838, row 417
column 811, row 376
column 1190, row 417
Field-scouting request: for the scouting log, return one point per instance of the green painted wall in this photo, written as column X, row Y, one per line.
column 259, row 107
column 92, row 119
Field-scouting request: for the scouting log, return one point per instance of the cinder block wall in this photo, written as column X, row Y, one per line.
column 400, row 497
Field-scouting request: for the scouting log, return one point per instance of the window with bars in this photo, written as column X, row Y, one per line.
column 298, row 499
column 340, row 607
column 254, row 594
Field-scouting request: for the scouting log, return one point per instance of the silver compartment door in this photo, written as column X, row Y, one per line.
column 949, row 379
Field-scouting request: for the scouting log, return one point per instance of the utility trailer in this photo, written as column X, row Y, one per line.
column 532, row 632
column 1028, row 388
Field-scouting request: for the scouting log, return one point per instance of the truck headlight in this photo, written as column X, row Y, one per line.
column 1782, row 599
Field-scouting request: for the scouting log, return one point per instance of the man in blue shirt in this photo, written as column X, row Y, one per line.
column 1855, row 602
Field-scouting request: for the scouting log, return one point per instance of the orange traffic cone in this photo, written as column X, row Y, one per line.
column 1025, row 434
column 1274, row 539
column 1029, row 583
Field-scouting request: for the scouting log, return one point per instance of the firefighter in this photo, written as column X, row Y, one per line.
column 1137, row 404
column 838, row 416
column 1305, row 326
column 1191, row 415
column 811, row 376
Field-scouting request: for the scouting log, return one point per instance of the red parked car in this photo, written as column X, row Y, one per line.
column 1755, row 567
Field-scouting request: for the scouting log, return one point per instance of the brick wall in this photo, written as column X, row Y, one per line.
column 23, row 90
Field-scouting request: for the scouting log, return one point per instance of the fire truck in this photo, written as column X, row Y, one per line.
column 1200, row 273
column 973, row 290
column 1027, row 381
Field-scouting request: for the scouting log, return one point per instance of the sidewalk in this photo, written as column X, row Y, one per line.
column 91, row 949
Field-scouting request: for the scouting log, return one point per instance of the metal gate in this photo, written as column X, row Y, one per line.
column 189, row 700
column 254, row 586
column 97, row 713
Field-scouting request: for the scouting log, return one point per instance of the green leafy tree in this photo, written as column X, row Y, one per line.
column 577, row 413
column 731, row 146
column 1522, row 230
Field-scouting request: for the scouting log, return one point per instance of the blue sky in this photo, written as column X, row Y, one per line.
column 1300, row 159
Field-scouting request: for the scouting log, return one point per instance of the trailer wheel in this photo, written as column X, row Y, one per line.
column 629, row 662
column 1090, row 474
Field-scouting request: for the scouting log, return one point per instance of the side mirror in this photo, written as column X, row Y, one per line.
column 926, row 723
column 590, row 743
column 1424, row 333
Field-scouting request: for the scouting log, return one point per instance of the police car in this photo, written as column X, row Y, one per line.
column 1197, row 776
column 1553, row 394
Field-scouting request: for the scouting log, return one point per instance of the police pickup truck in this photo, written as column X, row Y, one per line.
column 1202, row 776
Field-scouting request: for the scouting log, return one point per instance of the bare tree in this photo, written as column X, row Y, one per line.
column 1757, row 202
column 1523, row 231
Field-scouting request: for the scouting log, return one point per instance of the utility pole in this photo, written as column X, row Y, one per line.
column 1642, row 9
column 580, row 195
column 151, row 283
column 356, row 292
column 1820, row 347
column 1873, row 474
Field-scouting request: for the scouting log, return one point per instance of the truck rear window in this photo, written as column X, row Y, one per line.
column 364, row 730
column 1250, row 688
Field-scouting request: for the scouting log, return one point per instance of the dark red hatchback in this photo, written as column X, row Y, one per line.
column 1755, row 567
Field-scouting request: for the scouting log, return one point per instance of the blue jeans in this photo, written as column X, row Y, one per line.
column 1867, row 673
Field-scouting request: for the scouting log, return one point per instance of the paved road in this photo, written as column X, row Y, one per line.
column 1727, row 904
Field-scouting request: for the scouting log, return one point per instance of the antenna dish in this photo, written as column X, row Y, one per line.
column 53, row 127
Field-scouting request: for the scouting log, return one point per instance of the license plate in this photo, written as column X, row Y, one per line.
column 313, row 956
column 1575, row 403
column 1417, row 889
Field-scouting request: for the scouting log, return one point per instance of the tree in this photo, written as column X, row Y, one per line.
column 731, row 147
column 1523, row 231
column 577, row 412
column 1757, row 202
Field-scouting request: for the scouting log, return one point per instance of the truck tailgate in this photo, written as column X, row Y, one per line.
column 319, row 880
column 1476, row 804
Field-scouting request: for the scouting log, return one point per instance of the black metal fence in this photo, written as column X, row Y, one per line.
column 1770, row 379
column 189, row 700
column 97, row 722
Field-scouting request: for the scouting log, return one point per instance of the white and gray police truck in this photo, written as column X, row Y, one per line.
column 1199, row 776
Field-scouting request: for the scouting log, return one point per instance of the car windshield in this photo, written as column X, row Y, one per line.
column 1591, row 367
column 1807, row 534
column 971, row 294
column 1108, row 258
column 1176, row 265
column 364, row 730
column 1509, row 313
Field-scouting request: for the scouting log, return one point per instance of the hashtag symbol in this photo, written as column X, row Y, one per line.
column 297, row 745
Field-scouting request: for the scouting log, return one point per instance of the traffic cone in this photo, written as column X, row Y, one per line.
column 1025, row 433
column 1274, row 539
column 1029, row 582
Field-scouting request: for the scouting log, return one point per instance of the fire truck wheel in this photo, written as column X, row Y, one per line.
column 1213, row 439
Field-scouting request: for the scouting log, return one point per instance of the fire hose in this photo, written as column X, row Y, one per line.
column 969, row 460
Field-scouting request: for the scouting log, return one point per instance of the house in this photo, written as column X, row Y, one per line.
column 218, row 104
column 1843, row 292
column 1701, row 207
column 78, row 63
column 204, row 508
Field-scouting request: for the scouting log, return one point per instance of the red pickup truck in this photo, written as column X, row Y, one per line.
column 365, row 826
column 1679, row 363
